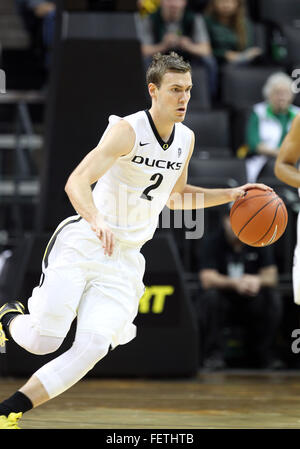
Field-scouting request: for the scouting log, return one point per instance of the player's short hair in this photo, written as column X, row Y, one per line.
column 162, row 64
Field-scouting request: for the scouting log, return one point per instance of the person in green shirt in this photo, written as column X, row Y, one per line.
column 230, row 32
column 269, row 122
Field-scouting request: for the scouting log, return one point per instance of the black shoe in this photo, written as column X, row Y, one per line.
column 7, row 314
column 11, row 307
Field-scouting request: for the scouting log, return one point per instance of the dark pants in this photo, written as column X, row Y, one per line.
column 260, row 317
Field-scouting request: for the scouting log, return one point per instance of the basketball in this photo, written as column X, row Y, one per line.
column 259, row 218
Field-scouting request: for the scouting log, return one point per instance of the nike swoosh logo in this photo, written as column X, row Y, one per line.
column 142, row 144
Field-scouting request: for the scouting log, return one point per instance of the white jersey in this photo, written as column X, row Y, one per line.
column 133, row 192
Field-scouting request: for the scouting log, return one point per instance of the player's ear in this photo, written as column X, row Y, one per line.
column 152, row 89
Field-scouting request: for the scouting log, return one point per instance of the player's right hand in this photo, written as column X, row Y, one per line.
column 104, row 234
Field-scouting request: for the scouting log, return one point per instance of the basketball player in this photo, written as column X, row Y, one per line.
column 92, row 266
column 287, row 171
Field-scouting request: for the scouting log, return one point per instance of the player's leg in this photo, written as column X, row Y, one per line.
column 41, row 333
column 33, row 393
column 64, row 371
column 55, row 377
column 52, row 309
column 105, row 314
column 25, row 333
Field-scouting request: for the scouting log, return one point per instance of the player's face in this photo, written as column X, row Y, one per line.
column 174, row 94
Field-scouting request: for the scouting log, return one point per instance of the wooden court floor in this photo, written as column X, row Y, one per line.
column 224, row 400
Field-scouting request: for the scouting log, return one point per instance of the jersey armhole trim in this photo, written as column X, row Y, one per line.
column 131, row 153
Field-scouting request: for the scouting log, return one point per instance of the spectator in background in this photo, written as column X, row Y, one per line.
column 230, row 32
column 176, row 27
column 146, row 7
column 39, row 20
column 269, row 123
column 242, row 282
column 149, row 6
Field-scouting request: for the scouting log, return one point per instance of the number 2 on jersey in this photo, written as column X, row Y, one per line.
column 157, row 177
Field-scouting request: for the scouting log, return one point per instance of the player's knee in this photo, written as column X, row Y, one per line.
column 42, row 344
column 91, row 348
column 28, row 336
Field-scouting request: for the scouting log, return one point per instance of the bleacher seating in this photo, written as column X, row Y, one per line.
column 200, row 98
column 219, row 130
column 279, row 11
column 260, row 36
column 218, row 172
column 208, row 142
column 292, row 36
column 242, row 86
column 21, row 125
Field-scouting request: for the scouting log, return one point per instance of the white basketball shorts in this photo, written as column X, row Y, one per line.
column 78, row 280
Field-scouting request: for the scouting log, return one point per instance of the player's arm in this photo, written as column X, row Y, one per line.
column 211, row 197
column 118, row 141
column 289, row 153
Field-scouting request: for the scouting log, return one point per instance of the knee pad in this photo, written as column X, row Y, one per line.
column 28, row 337
column 90, row 347
column 42, row 344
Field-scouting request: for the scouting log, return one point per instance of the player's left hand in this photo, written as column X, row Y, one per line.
column 240, row 192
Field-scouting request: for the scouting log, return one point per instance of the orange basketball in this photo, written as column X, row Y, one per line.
column 259, row 218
